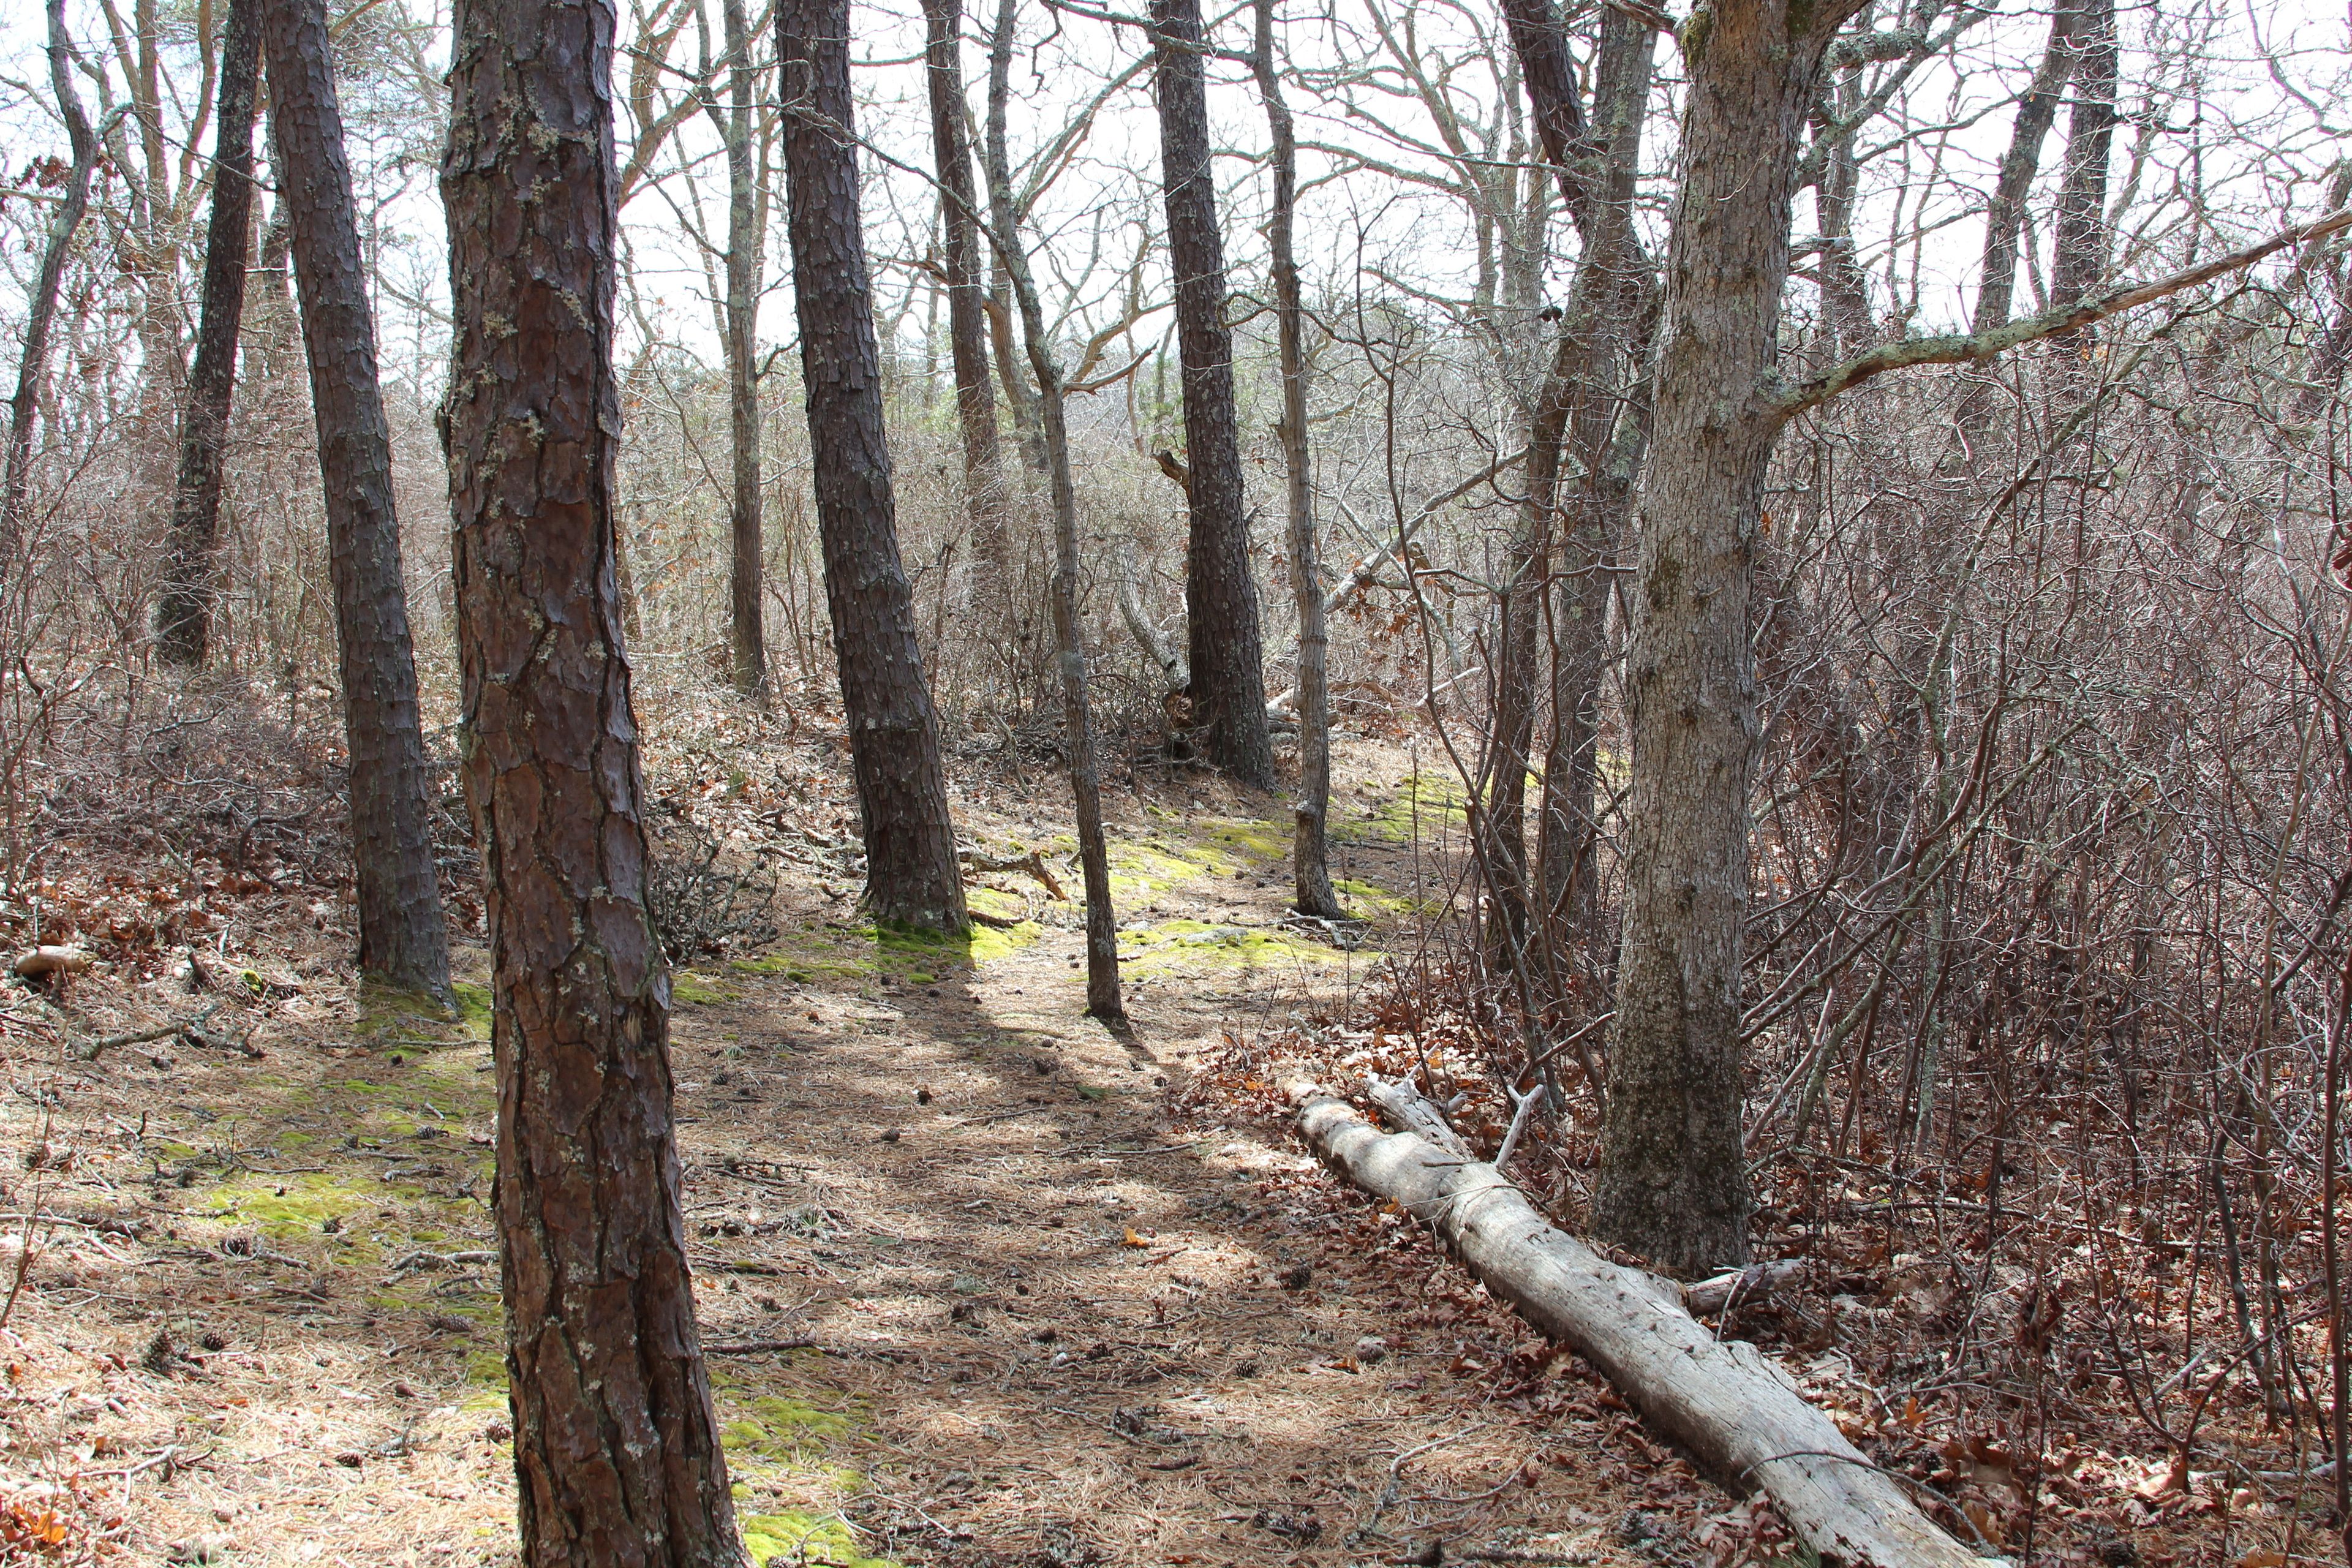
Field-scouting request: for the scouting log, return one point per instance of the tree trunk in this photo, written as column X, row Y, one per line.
column 184, row 614
column 967, row 293
column 1103, row 997
column 2079, row 258
column 1604, row 359
column 1736, row 1412
column 1220, row 590
column 746, row 240
column 1672, row 1184
column 997, row 161
column 618, row 1455
column 1997, row 279
column 32, row 362
column 912, row 877
column 402, row 939
column 1310, row 862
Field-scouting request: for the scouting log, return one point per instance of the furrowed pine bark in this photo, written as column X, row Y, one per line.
column 1220, row 590
column 183, row 611
column 1104, row 1000
column 402, row 941
column 40, row 316
column 912, row 877
column 967, row 290
column 1672, row 1184
column 1310, row 860
column 746, row 244
column 618, row 1455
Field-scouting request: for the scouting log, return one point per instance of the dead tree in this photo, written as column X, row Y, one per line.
column 618, row 1453
column 402, row 941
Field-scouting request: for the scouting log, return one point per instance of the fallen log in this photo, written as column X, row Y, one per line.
column 1731, row 1407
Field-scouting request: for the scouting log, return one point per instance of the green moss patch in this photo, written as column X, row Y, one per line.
column 690, row 988
column 1195, row 944
column 771, row 1424
column 797, row 1538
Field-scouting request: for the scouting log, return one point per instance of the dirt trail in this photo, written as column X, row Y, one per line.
column 1041, row 1317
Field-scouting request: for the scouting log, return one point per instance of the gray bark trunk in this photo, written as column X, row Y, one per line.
column 746, row 243
column 1672, row 1184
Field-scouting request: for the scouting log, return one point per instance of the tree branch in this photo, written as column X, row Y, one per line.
column 1972, row 348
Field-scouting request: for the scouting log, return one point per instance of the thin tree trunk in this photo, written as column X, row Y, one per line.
column 1997, row 278
column 184, row 614
column 912, row 877
column 746, row 240
column 1674, row 1184
column 618, row 1455
column 1604, row 357
column 967, row 292
column 1103, row 998
column 1219, row 590
column 997, row 161
column 402, row 942
column 1310, row 860
column 40, row 316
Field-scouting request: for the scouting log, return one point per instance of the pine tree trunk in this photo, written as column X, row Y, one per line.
column 1673, row 1184
column 184, row 613
column 912, row 877
column 967, row 292
column 40, row 316
column 617, row 1448
column 1220, row 590
column 402, row 942
column 746, row 242
column 1310, row 860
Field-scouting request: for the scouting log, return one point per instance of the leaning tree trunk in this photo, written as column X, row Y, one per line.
column 967, row 272
column 1310, row 860
column 911, row 850
column 32, row 362
column 183, row 611
column 617, row 1448
column 746, row 241
column 1996, row 277
column 1220, row 591
column 402, row 942
column 1673, row 1182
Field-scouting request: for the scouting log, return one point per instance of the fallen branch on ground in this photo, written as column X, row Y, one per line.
column 1736, row 1412
column 90, row 1051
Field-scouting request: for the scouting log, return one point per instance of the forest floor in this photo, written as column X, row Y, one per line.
column 1060, row 1296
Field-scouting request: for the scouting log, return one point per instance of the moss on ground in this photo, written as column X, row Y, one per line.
column 692, row 989
column 1194, row 944
column 795, row 1537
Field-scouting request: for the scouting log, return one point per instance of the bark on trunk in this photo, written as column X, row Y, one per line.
column 1220, row 590
column 746, row 242
column 402, row 942
column 1605, row 352
column 2079, row 258
column 1735, row 1409
column 183, row 611
column 1997, row 278
column 997, row 161
column 1310, row 860
column 40, row 316
column 1673, row 1184
column 967, row 290
column 1103, row 995
column 910, row 852
column 618, row 1455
